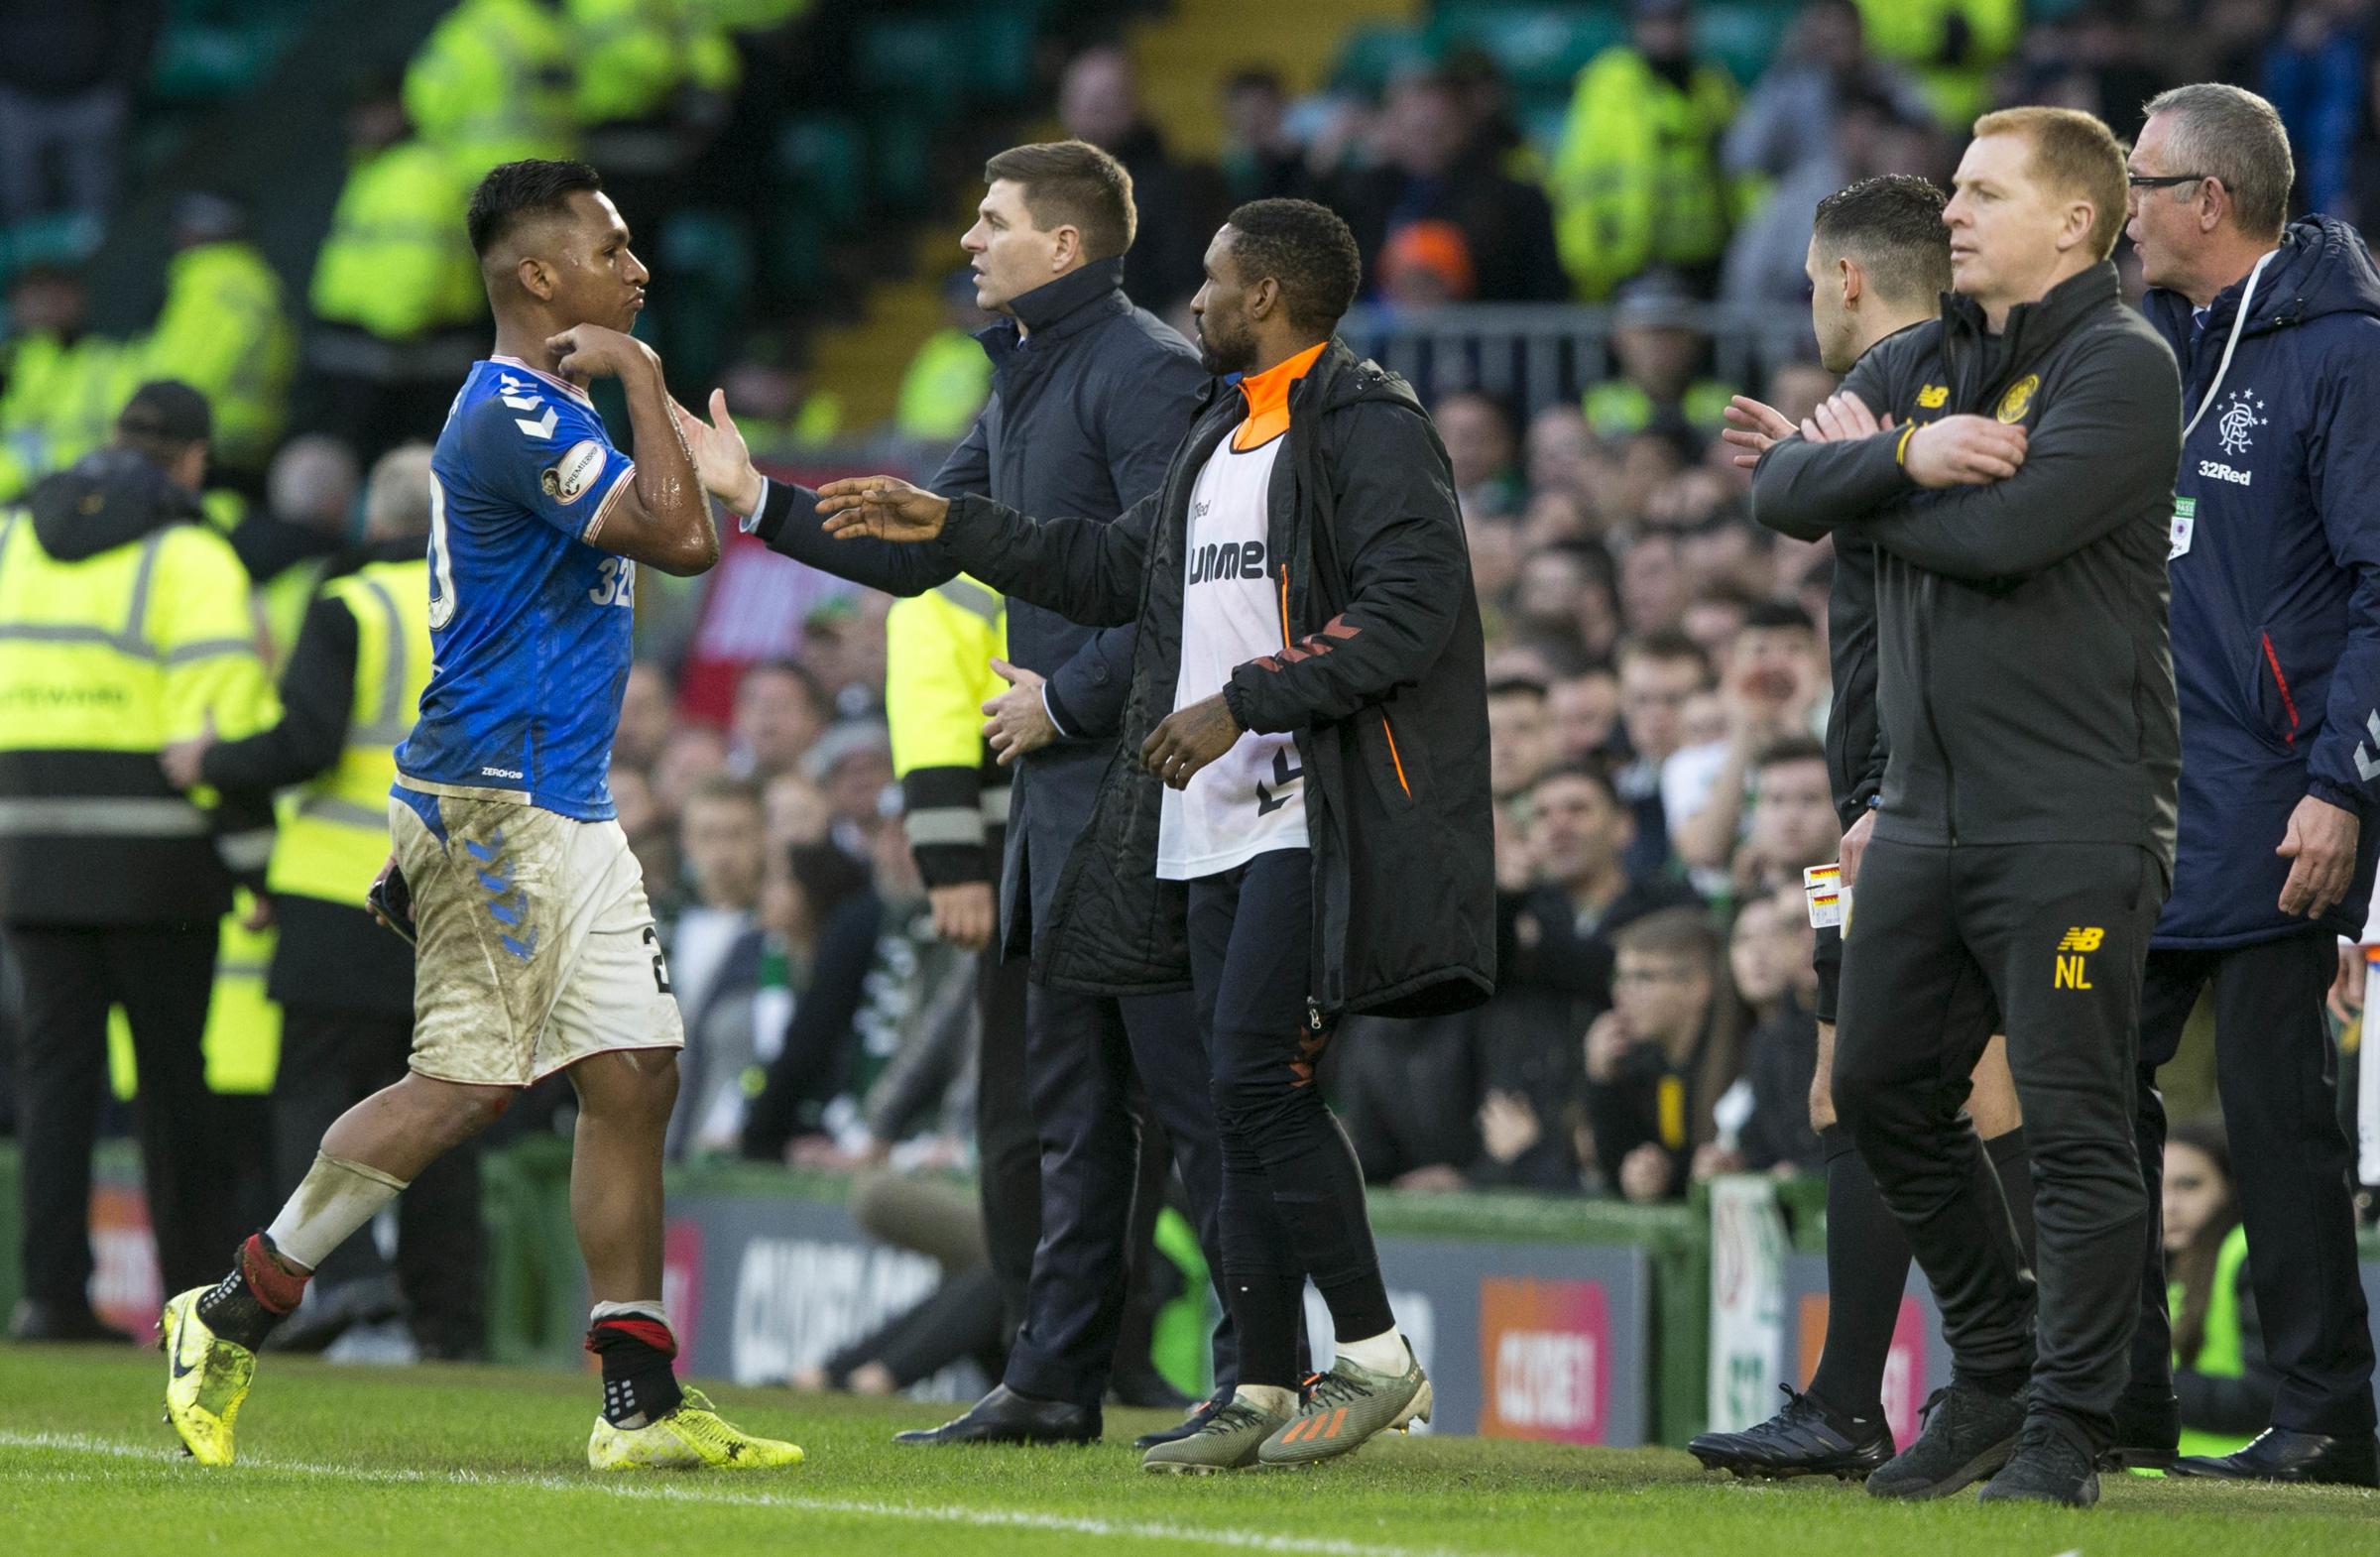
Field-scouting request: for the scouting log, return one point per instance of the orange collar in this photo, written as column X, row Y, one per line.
column 1268, row 399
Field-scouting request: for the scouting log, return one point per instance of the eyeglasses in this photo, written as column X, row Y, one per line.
column 2162, row 180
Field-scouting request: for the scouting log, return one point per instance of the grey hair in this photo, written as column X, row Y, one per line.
column 2235, row 137
column 397, row 501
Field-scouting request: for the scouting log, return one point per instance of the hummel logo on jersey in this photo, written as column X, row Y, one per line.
column 542, row 427
column 1272, row 799
column 1242, row 560
column 2070, row 972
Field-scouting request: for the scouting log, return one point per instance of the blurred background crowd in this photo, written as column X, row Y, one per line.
column 1583, row 225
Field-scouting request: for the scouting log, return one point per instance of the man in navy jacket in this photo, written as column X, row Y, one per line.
column 2275, row 571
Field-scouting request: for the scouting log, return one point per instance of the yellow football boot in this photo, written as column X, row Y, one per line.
column 207, row 1378
column 691, row 1438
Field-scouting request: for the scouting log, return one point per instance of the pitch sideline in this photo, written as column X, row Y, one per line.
column 982, row 1518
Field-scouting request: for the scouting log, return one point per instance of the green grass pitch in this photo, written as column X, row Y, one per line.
column 490, row 1463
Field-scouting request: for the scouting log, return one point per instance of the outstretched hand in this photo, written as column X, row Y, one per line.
column 886, row 508
column 722, row 460
column 1753, row 427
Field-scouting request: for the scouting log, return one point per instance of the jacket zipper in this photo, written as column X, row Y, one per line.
column 1394, row 756
column 2287, row 701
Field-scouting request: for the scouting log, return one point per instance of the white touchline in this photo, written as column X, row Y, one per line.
column 1152, row 1531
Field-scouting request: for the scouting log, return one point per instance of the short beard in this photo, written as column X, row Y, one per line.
column 1224, row 355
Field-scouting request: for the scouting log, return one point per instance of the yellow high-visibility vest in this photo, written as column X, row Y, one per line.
column 395, row 261
column 334, row 828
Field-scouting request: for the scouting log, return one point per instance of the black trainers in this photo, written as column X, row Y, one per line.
column 1182, row 1429
column 1798, row 1441
column 1968, row 1434
column 2049, row 1466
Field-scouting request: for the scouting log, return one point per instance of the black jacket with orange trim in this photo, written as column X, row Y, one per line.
column 1385, row 688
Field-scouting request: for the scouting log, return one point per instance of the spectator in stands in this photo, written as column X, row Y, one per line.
column 1660, row 355
column 396, row 296
column 645, row 716
column 2224, row 1384
column 1560, row 450
column 2095, row 58
column 61, row 386
column 225, row 332
column 720, row 839
column 1567, row 594
column 308, row 511
column 1478, row 433
column 1658, row 673
column 852, row 766
column 1784, row 132
column 2314, row 75
column 649, row 64
column 1763, row 1120
column 1637, row 180
column 843, row 649
column 1773, row 686
column 781, row 712
column 1180, row 204
column 796, row 812
column 693, row 754
column 1953, row 46
column 1579, row 837
column 1868, row 131
column 1793, row 823
column 1654, row 586
column 948, row 380
column 1431, row 170
column 1261, row 159
column 783, row 411
column 1659, row 1059
column 652, row 838
column 1518, row 748
column 1584, row 711
column 494, row 82
column 67, row 77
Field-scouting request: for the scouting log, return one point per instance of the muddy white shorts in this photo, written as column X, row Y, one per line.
column 535, row 944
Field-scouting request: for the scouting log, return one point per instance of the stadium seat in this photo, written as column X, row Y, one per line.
column 1372, row 54
column 707, row 257
column 821, row 164
column 920, row 59
column 1536, row 46
column 1743, row 37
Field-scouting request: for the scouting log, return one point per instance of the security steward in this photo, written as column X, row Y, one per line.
column 345, row 985
column 124, row 626
column 2024, row 838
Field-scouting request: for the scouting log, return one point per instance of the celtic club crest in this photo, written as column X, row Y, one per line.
column 2243, row 414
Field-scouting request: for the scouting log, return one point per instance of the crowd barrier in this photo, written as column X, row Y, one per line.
column 1574, row 1321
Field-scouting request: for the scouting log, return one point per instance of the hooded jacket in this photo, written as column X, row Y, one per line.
column 2025, row 686
column 1382, row 681
column 2275, row 592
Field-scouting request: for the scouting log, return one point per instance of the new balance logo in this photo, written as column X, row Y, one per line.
column 2069, row 971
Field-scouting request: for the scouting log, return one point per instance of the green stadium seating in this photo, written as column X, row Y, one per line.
column 821, row 164
column 1539, row 48
column 1372, row 54
column 919, row 61
column 1743, row 37
column 708, row 259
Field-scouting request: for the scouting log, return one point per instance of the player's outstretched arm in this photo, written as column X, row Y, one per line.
column 663, row 519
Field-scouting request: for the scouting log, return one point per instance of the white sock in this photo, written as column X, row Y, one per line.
column 1271, row 1399
column 1381, row 1354
column 649, row 1307
column 334, row 1199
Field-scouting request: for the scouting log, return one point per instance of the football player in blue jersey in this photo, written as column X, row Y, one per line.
column 535, row 946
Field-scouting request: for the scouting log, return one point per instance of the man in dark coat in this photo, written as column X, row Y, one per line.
column 1090, row 397
column 1306, row 831
column 2275, row 570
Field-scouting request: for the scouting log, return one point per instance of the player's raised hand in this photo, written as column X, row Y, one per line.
column 589, row 351
column 884, row 507
column 1963, row 450
column 1753, row 427
column 722, row 460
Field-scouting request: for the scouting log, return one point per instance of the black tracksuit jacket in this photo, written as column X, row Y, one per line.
column 2025, row 684
column 1386, row 690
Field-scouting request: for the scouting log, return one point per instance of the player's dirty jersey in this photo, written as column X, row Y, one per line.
column 530, row 625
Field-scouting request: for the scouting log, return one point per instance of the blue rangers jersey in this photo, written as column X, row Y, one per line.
column 529, row 624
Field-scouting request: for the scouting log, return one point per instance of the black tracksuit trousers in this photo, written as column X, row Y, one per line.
column 2054, row 935
column 2292, row 1169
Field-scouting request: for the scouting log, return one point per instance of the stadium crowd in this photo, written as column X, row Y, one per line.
column 1657, row 672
